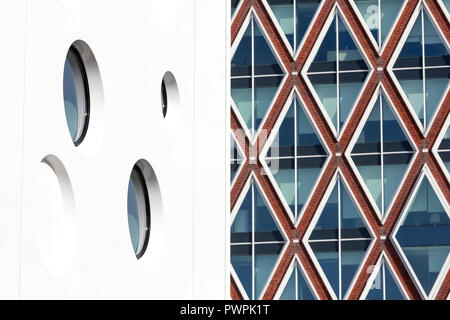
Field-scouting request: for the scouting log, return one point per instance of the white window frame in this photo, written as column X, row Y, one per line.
column 253, row 133
column 338, row 176
column 383, row 259
column 252, row 179
column 295, row 263
column 390, row 67
column 304, row 72
column 435, row 149
column 262, row 156
column 348, row 152
column 445, row 267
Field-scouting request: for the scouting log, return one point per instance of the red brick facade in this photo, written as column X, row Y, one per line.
column 379, row 62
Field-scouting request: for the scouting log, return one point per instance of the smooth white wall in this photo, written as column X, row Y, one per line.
column 135, row 42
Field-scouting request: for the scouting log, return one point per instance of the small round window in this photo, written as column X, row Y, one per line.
column 76, row 95
column 164, row 98
column 138, row 211
column 169, row 93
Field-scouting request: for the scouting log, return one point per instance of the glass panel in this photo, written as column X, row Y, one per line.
column 308, row 143
column 370, row 169
column 289, row 289
column 327, row 225
column 241, row 64
column 392, row 290
column 284, row 174
column 411, row 54
column 305, row 12
column 369, row 140
column 352, row 254
column 265, row 227
column 133, row 215
column 436, row 82
column 308, row 171
column 265, row 89
column 394, row 138
column 241, row 92
column 242, row 225
column 325, row 59
column 70, row 99
column 349, row 56
column 234, row 4
column 265, row 61
column 352, row 225
column 326, row 87
column 376, row 289
column 284, row 12
column 327, row 255
column 436, row 53
column 411, row 82
column 266, row 255
column 236, row 158
column 349, row 87
column 304, row 291
column 286, row 136
column 394, row 171
column 425, row 235
column 369, row 11
column 389, row 12
column 241, row 260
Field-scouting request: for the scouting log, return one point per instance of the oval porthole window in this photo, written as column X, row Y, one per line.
column 76, row 95
column 138, row 211
column 169, row 93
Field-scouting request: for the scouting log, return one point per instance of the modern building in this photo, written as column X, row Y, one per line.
column 340, row 151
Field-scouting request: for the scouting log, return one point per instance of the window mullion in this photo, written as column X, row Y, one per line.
column 379, row 25
column 253, row 241
column 295, row 160
column 338, row 113
column 384, row 280
column 253, row 76
column 295, row 26
column 296, row 282
column 423, row 72
column 382, row 155
column 339, row 240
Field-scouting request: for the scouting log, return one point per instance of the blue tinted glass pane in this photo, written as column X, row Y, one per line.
column 265, row 61
column 376, row 289
column 411, row 82
column 349, row 56
column 304, row 291
column 234, row 4
column 286, row 136
column 369, row 140
column 328, row 257
column 393, row 136
column 389, row 12
column 369, row 11
column 70, row 100
column 393, row 174
column 234, row 167
column 266, row 255
column 352, row 225
column 436, row 53
column 351, row 256
column 305, row 12
column 447, row 5
column 411, row 54
column 370, row 169
column 445, row 156
column 284, row 12
column 289, row 289
column 265, row 227
column 308, row 143
column 325, row 59
column 241, row 260
column 265, row 89
column 284, row 173
column 308, row 171
column 242, row 225
column 325, row 86
column 436, row 82
column 349, row 87
column 425, row 235
column 241, row 64
column 241, row 92
column 133, row 215
column 392, row 290
column 327, row 225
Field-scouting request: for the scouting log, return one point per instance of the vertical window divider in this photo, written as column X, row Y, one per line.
column 384, row 280
column 295, row 26
column 339, row 238
column 296, row 281
column 338, row 111
column 253, row 75
column 295, row 160
column 382, row 154
column 423, row 71
column 253, row 241
column 379, row 25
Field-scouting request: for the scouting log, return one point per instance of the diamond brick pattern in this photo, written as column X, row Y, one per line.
column 378, row 60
